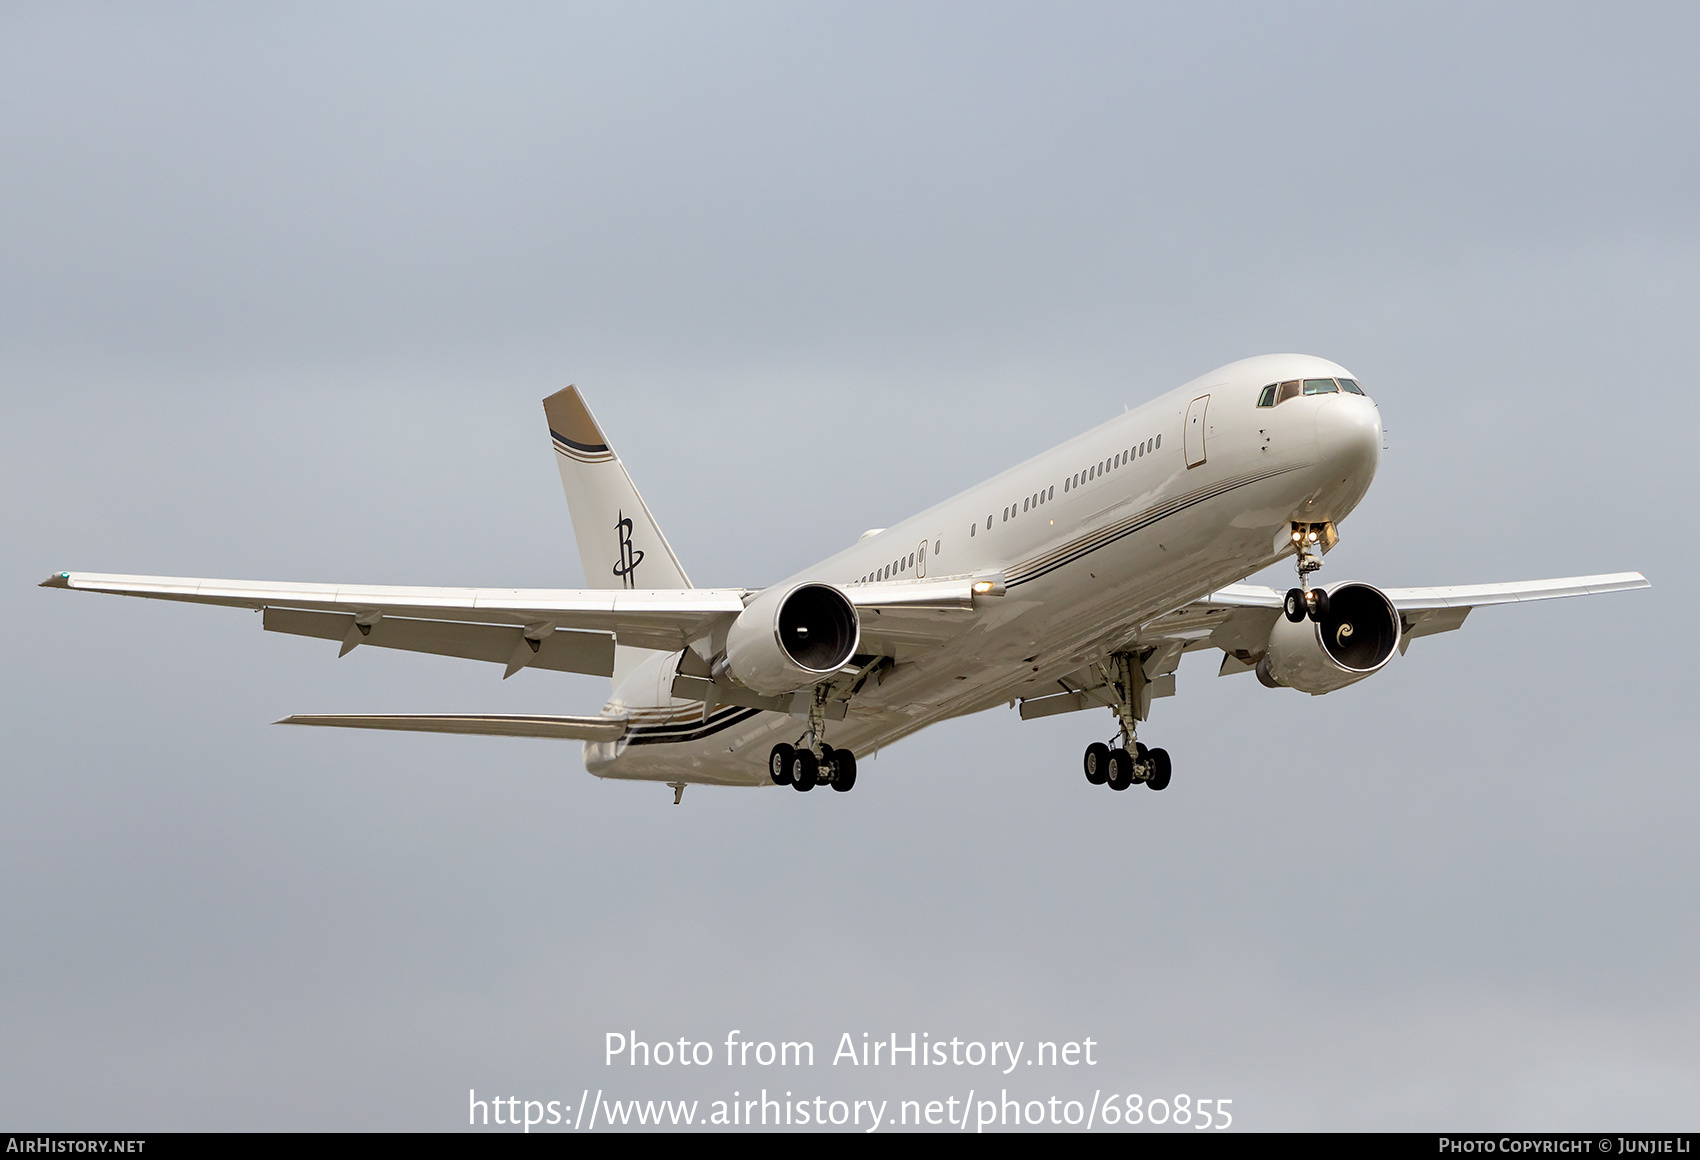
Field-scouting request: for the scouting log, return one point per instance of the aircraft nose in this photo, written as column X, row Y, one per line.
column 1348, row 434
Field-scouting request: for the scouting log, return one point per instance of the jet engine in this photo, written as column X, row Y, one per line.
column 784, row 641
column 1356, row 636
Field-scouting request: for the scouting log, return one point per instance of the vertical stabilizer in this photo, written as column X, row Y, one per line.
column 619, row 542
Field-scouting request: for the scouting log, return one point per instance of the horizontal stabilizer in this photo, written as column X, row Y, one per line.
column 484, row 724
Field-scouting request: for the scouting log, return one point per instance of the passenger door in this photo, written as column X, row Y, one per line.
column 1195, row 431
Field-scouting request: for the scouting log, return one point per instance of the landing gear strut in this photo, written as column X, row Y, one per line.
column 812, row 761
column 1310, row 541
column 1130, row 761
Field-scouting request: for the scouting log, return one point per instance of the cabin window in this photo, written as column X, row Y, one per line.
column 1320, row 387
column 1053, row 491
column 1157, row 443
column 988, row 523
column 1267, row 397
column 972, row 528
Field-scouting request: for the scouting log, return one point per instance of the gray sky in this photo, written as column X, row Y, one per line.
column 281, row 289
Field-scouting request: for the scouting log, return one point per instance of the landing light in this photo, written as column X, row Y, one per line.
column 982, row 587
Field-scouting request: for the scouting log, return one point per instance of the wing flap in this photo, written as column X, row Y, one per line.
column 562, row 650
column 482, row 724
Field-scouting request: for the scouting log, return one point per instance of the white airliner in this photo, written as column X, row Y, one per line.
column 1074, row 581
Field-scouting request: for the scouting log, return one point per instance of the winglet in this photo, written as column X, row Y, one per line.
column 57, row 580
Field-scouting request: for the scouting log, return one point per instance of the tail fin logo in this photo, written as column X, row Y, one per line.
column 630, row 557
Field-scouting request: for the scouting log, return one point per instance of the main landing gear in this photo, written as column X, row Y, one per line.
column 1310, row 541
column 803, row 769
column 1118, row 769
column 1130, row 761
column 812, row 761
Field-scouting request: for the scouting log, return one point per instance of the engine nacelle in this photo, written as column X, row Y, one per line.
column 786, row 641
column 1358, row 637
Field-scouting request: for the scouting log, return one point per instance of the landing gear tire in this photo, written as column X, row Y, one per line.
column 1121, row 769
column 1318, row 604
column 805, row 771
column 1097, row 763
column 779, row 764
column 1160, row 769
column 846, row 762
column 1294, row 605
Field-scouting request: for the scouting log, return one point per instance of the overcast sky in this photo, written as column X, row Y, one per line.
column 281, row 288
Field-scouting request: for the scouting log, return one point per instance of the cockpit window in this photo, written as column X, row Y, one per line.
column 1277, row 393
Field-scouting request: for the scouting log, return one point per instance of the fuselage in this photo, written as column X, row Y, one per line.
column 1092, row 539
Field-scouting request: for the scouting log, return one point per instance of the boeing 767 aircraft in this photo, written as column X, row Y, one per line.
column 1072, row 582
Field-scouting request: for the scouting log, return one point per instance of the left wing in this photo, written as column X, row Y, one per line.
column 1240, row 610
column 1238, row 619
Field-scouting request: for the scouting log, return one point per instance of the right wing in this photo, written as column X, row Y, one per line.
column 568, row 629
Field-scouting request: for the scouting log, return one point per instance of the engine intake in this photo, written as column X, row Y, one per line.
column 785, row 641
column 1357, row 637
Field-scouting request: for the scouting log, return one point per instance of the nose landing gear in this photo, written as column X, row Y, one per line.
column 1310, row 541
